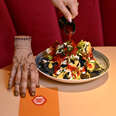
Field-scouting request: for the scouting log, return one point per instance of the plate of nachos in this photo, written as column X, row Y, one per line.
column 72, row 62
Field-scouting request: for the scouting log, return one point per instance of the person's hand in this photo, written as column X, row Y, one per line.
column 24, row 69
column 69, row 8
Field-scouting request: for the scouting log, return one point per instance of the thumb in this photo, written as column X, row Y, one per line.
column 65, row 12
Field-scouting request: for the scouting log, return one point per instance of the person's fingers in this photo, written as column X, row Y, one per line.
column 17, row 81
column 77, row 4
column 37, row 78
column 74, row 9
column 33, row 83
column 65, row 11
column 33, row 79
column 24, row 80
column 37, row 75
column 12, row 76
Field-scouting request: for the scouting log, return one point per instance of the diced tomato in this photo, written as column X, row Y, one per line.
column 93, row 59
column 71, row 68
column 58, row 59
column 89, row 65
column 73, row 75
column 74, row 51
column 84, row 58
column 83, row 70
column 65, row 49
column 90, row 55
column 73, row 43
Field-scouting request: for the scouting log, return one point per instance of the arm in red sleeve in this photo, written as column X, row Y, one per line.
column 7, row 32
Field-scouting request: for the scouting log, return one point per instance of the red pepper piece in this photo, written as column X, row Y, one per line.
column 74, row 51
column 71, row 68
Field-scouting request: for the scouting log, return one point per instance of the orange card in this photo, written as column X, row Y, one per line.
column 45, row 103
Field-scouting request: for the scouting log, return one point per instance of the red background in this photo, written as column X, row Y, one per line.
column 96, row 23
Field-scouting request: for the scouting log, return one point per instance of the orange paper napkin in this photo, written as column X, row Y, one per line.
column 49, row 106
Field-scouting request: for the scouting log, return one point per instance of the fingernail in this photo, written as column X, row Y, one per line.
column 23, row 95
column 33, row 93
column 38, row 86
column 16, row 93
column 9, row 87
column 70, row 19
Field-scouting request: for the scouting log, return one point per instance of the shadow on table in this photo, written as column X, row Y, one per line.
column 46, row 82
column 65, row 87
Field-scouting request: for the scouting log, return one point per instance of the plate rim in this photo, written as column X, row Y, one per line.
column 81, row 80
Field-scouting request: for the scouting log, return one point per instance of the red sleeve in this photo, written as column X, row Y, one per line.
column 7, row 32
column 108, row 8
column 36, row 18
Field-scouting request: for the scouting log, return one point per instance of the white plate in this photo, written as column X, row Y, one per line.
column 101, row 58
